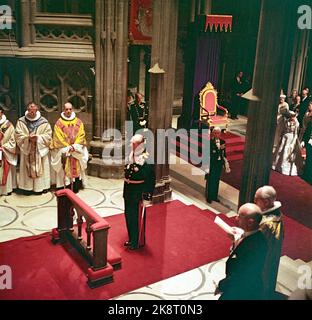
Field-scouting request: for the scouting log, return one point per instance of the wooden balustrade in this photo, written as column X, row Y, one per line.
column 95, row 248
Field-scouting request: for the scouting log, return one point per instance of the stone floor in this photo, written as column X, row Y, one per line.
column 22, row 216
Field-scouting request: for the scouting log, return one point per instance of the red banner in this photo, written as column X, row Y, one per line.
column 218, row 21
column 140, row 22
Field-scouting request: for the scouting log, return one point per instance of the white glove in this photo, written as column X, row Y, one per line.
column 310, row 142
column 302, row 144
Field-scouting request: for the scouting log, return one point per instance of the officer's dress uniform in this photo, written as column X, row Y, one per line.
column 139, row 184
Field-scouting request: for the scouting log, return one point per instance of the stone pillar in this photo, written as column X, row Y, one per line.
column 111, row 51
column 33, row 13
column 269, row 64
column 23, row 19
column 147, row 64
column 165, row 14
column 205, row 7
column 25, row 14
column 142, row 72
column 299, row 60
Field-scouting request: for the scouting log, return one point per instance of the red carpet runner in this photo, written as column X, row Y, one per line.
column 185, row 145
column 178, row 239
column 293, row 192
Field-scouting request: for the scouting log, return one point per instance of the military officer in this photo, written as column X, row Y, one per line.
column 217, row 162
column 138, row 113
column 139, row 185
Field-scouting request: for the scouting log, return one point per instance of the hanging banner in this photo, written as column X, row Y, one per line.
column 140, row 22
column 218, row 23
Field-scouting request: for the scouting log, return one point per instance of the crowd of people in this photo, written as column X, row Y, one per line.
column 294, row 133
column 45, row 157
column 59, row 158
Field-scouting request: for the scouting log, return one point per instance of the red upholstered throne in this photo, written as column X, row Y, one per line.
column 209, row 109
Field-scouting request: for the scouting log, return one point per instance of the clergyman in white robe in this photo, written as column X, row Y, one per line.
column 34, row 174
column 8, row 157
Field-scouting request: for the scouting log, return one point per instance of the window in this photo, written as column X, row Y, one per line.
column 66, row 6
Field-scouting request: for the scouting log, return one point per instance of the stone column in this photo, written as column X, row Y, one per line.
column 23, row 20
column 299, row 60
column 32, row 28
column 147, row 64
column 165, row 13
column 205, row 6
column 111, row 50
column 267, row 81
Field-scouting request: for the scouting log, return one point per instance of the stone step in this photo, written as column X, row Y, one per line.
column 309, row 264
column 288, row 275
column 301, row 262
column 281, row 289
column 290, row 263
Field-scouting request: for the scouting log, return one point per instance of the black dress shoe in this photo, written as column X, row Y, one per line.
column 209, row 201
column 133, row 248
column 127, row 244
column 217, row 200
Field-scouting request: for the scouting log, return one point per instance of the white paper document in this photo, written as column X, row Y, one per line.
column 234, row 231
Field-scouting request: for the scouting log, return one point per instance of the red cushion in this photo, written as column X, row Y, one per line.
column 218, row 119
column 112, row 256
column 210, row 102
column 101, row 273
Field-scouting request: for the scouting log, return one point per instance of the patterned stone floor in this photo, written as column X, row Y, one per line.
column 22, row 216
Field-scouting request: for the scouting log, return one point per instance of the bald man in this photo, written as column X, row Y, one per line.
column 33, row 135
column 272, row 227
column 69, row 154
column 244, row 266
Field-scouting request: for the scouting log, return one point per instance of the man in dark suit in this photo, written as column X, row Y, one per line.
column 138, row 113
column 244, row 266
column 217, row 161
column 305, row 100
column 237, row 92
column 139, row 185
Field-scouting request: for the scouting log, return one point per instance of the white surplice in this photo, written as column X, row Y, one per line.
column 8, row 146
column 34, row 174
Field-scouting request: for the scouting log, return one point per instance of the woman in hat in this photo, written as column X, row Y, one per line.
column 287, row 157
column 283, row 110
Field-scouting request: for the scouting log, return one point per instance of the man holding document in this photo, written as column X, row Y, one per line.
column 245, row 264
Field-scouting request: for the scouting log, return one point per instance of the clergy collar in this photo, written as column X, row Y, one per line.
column 72, row 117
column 38, row 115
column 3, row 119
column 276, row 206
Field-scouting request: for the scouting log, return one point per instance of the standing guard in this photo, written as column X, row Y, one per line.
column 139, row 186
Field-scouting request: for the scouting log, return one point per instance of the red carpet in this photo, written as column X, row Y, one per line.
column 293, row 192
column 187, row 145
column 178, row 239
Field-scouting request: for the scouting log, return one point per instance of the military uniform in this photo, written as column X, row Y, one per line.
column 138, row 114
column 217, row 161
column 139, row 184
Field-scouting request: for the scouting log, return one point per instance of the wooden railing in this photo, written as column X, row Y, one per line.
column 95, row 247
